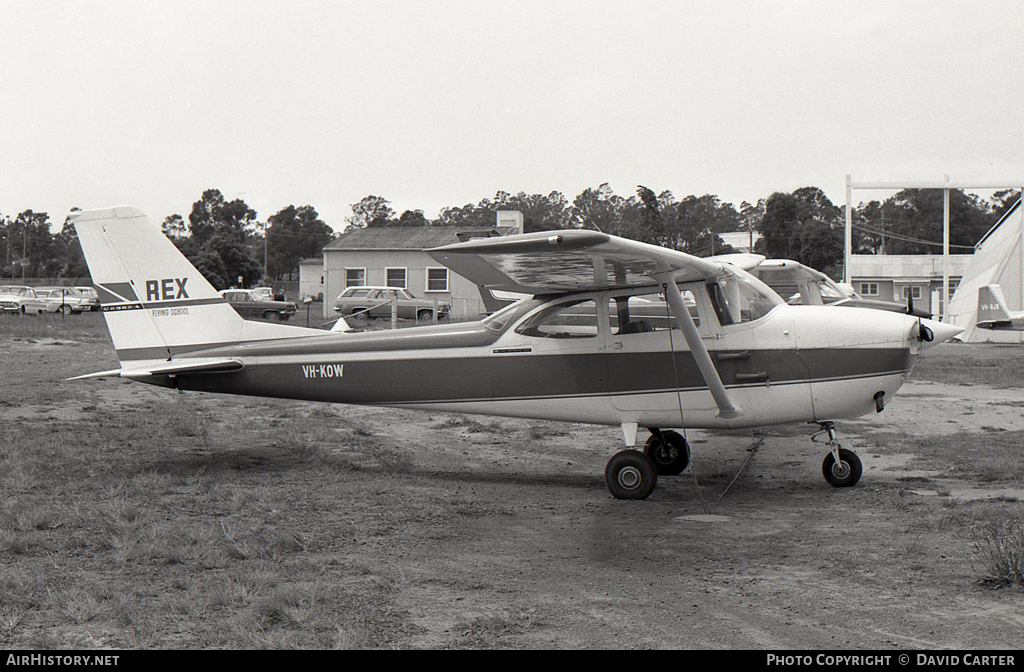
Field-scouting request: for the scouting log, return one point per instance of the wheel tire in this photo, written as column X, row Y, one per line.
column 65, row 309
column 844, row 474
column 672, row 456
column 271, row 316
column 631, row 475
column 424, row 315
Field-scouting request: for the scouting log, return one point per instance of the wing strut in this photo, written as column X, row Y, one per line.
column 727, row 410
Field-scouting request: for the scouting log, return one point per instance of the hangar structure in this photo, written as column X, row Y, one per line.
column 979, row 264
column 998, row 260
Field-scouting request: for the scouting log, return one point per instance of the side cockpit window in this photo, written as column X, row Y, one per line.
column 564, row 320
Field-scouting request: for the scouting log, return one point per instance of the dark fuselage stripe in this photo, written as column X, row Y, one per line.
column 471, row 379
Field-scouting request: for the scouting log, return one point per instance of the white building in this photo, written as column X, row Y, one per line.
column 395, row 257
column 897, row 277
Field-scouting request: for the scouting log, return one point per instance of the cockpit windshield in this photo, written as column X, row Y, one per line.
column 740, row 297
column 497, row 322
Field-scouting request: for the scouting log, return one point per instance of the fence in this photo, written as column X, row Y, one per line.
column 48, row 282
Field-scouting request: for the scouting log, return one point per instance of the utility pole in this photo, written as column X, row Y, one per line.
column 266, row 226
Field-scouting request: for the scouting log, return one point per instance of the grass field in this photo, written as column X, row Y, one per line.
column 120, row 525
column 131, row 517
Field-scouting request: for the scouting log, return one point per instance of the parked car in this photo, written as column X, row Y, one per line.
column 91, row 293
column 66, row 300
column 20, row 299
column 376, row 302
column 251, row 305
column 266, row 293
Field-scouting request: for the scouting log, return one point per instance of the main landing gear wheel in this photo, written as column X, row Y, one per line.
column 631, row 475
column 845, row 472
column 669, row 451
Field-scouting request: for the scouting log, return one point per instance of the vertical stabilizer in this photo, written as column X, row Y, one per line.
column 156, row 303
column 992, row 305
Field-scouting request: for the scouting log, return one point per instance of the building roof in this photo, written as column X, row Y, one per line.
column 905, row 267
column 402, row 238
column 416, row 238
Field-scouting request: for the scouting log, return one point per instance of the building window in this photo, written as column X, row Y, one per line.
column 395, row 277
column 914, row 291
column 437, row 279
column 354, row 277
column 868, row 289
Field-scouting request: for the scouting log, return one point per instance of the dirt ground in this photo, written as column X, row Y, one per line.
column 490, row 532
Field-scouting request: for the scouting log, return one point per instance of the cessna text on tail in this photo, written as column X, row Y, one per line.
column 615, row 332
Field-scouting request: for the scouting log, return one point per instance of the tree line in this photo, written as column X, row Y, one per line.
column 230, row 246
column 222, row 238
column 803, row 225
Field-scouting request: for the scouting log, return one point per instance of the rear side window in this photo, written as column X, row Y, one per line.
column 646, row 313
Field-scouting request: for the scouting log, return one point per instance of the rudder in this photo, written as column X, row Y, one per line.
column 991, row 306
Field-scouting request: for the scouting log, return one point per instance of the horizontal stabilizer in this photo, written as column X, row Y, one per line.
column 174, row 368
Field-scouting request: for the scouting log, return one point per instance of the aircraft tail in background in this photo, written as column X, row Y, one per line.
column 993, row 313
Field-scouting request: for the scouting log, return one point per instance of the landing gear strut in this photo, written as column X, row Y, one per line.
column 841, row 467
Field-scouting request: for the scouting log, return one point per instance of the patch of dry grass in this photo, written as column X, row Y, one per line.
column 471, row 425
column 963, row 364
column 999, row 548
column 987, row 457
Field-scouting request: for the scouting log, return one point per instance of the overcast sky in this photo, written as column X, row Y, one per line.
column 441, row 103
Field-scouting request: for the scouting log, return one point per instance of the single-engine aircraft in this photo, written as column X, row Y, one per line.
column 993, row 313
column 615, row 332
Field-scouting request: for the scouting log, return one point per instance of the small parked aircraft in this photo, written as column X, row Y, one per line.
column 993, row 313
column 804, row 285
column 615, row 332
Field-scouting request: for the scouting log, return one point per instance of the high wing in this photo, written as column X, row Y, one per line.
column 583, row 261
column 569, row 261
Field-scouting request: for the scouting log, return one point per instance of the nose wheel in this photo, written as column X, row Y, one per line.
column 841, row 467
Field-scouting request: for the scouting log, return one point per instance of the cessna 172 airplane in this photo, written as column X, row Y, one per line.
column 615, row 332
column 993, row 313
